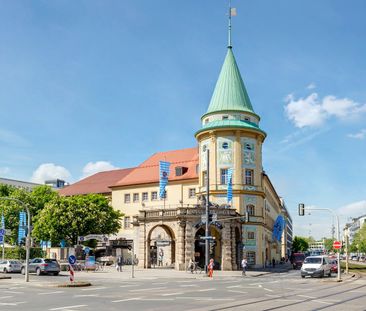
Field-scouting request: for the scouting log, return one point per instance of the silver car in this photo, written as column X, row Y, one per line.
column 43, row 266
column 10, row 266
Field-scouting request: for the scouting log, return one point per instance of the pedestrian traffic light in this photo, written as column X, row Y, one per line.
column 301, row 209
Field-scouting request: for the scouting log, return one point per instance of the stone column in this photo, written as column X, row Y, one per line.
column 142, row 245
column 226, row 247
column 189, row 245
column 233, row 249
column 180, row 247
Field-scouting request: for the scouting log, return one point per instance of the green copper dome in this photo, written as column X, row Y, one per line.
column 230, row 93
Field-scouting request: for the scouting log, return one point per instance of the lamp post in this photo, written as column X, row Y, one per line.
column 27, row 241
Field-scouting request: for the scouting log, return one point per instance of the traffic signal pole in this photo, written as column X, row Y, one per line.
column 207, row 233
column 302, row 213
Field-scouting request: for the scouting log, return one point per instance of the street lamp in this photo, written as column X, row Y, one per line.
column 27, row 241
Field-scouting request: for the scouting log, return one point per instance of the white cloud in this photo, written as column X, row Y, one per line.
column 48, row 171
column 99, row 166
column 311, row 86
column 360, row 135
column 313, row 112
column 353, row 209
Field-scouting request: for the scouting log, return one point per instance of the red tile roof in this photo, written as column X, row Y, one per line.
column 148, row 171
column 97, row 183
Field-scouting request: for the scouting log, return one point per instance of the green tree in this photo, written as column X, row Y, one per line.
column 328, row 244
column 299, row 244
column 66, row 218
column 359, row 240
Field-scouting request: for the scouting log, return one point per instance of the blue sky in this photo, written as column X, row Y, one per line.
column 91, row 85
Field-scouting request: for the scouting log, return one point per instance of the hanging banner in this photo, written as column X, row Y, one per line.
column 164, row 169
column 278, row 227
column 22, row 226
column 229, row 185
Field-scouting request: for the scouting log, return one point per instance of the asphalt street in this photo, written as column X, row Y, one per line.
column 168, row 290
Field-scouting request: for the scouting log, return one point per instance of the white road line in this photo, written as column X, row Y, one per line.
column 67, row 307
column 206, row 290
column 127, row 299
column 268, row 290
column 6, row 297
column 213, row 299
column 172, row 294
column 253, row 284
column 93, row 288
column 189, row 285
column 324, row 302
column 357, row 291
column 237, row 291
column 160, row 283
column 288, row 300
column 12, row 303
column 87, row 295
column 10, row 292
column 157, row 299
column 50, row 293
column 184, row 281
column 146, row 289
column 131, row 285
column 18, row 287
column 191, row 297
column 233, row 281
column 311, row 297
column 233, row 286
column 273, row 296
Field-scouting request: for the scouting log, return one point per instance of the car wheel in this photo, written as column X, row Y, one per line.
column 38, row 271
column 303, row 276
column 22, row 271
column 330, row 273
column 55, row 273
column 322, row 274
column 5, row 271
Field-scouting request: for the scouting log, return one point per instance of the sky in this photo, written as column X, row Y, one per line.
column 94, row 85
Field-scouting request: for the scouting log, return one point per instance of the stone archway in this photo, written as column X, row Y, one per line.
column 215, row 249
column 160, row 247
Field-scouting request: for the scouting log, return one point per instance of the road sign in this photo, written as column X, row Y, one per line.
column 1, row 239
column 87, row 250
column 2, row 231
column 72, row 259
column 207, row 238
column 203, row 218
column 337, row 244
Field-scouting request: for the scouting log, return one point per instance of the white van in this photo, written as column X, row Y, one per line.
column 316, row 266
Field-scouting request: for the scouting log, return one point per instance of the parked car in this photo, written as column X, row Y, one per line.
column 316, row 266
column 354, row 257
column 297, row 259
column 10, row 266
column 333, row 265
column 43, row 266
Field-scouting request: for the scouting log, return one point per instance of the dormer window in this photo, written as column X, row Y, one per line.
column 206, row 121
column 180, row 170
column 225, row 117
column 247, row 119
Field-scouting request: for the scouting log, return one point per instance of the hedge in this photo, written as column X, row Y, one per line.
column 19, row 252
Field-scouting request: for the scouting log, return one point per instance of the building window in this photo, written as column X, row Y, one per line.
column 136, row 197
column 251, row 209
column 251, row 235
column 204, row 178
column 251, row 258
column 126, row 222
column 206, row 121
column 145, row 196
column 246, row 118
column 225, row 145
column 225, row 117
column 154, row 196
column 223, row 176
column 249, row 177
column 192, row 193
column 127, row 198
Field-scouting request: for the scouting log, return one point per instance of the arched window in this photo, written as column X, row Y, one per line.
column 251, row 209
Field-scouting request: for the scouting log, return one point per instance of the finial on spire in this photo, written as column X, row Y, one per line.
column 232, row 12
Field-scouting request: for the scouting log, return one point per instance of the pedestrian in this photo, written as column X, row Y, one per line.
column 244, row 263
column 119, row 263
column 160, row 258
column 191, row 265
column 273, row 262
column 210, row 268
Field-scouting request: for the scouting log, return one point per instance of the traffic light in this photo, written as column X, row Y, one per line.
column 301, row 209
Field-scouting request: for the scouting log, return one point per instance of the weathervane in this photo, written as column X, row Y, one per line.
column 232, row 12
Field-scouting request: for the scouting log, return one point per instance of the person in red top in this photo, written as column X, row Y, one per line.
column 210, row 268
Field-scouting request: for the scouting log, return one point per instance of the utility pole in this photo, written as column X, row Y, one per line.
column 207, row 208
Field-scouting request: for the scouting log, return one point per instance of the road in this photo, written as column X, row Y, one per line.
column 274, row 291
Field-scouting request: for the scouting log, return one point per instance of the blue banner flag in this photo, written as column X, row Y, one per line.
column 22, row 226
column 164, row 169
column 229, row 185
column 278, row 227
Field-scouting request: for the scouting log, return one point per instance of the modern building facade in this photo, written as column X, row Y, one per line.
column 19, row 184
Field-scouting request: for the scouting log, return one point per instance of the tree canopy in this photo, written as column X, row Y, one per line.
column 299, row 244
column 359, row 240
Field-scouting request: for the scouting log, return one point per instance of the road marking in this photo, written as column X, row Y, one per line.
column 268, row 290
column 311, row 297
column 93, row 288
column 159, row 283
column 206, row 290
column 129, row 285
column 191, row 297
column 6, row 297
column 324, row 302
column 12, row 303
column 233, row 286
column 146, row 289
column 157, row 299
column 213, row 299
column 50, row 293
column 259, row 284
column 18, row 287
column 357, row 291
column 184, row 281
column 10, row 292
column 67, row 307
column 288, row 300
column 189, row 285
column 233, row 281
column 237, row 291
column 172, row 294
column 127, row 299
column 87, row 295
column 273, row 296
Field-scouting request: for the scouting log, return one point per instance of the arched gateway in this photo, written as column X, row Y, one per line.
column 176, row 234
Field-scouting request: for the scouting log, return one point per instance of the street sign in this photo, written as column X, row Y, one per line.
column 337, row 244
column 87, row 250
column 72, row 259
column 2, row 231
column 203, row 218
column 1, row 239
column 207, row 238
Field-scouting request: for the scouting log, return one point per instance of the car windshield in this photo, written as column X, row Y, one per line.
column 14, row 262
column 313, row 260
column 299, row 257
column 50, row 260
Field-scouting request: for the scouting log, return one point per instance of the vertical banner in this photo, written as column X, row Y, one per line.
column 278, row 227
column 164, row 169
column 22, row 226
column 229, row 185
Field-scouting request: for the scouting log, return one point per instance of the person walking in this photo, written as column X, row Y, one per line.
column 160, row 258
column 210, row 268
column 244, row 264
column 273, row 262
column 119, row 263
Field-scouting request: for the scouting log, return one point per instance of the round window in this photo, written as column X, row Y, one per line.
column 204, row 148
column 225, row 145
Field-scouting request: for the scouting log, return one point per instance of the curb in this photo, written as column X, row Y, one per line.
column 74, row 284
column 5, row 277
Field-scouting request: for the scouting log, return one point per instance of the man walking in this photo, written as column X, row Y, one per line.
column 244, row 263
column 119, row 263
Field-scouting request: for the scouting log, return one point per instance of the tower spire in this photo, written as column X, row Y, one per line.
column 232, row 12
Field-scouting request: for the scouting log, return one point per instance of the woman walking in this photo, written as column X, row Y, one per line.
column 210, row 268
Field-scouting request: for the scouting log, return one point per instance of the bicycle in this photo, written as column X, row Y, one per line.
column 193, row 267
